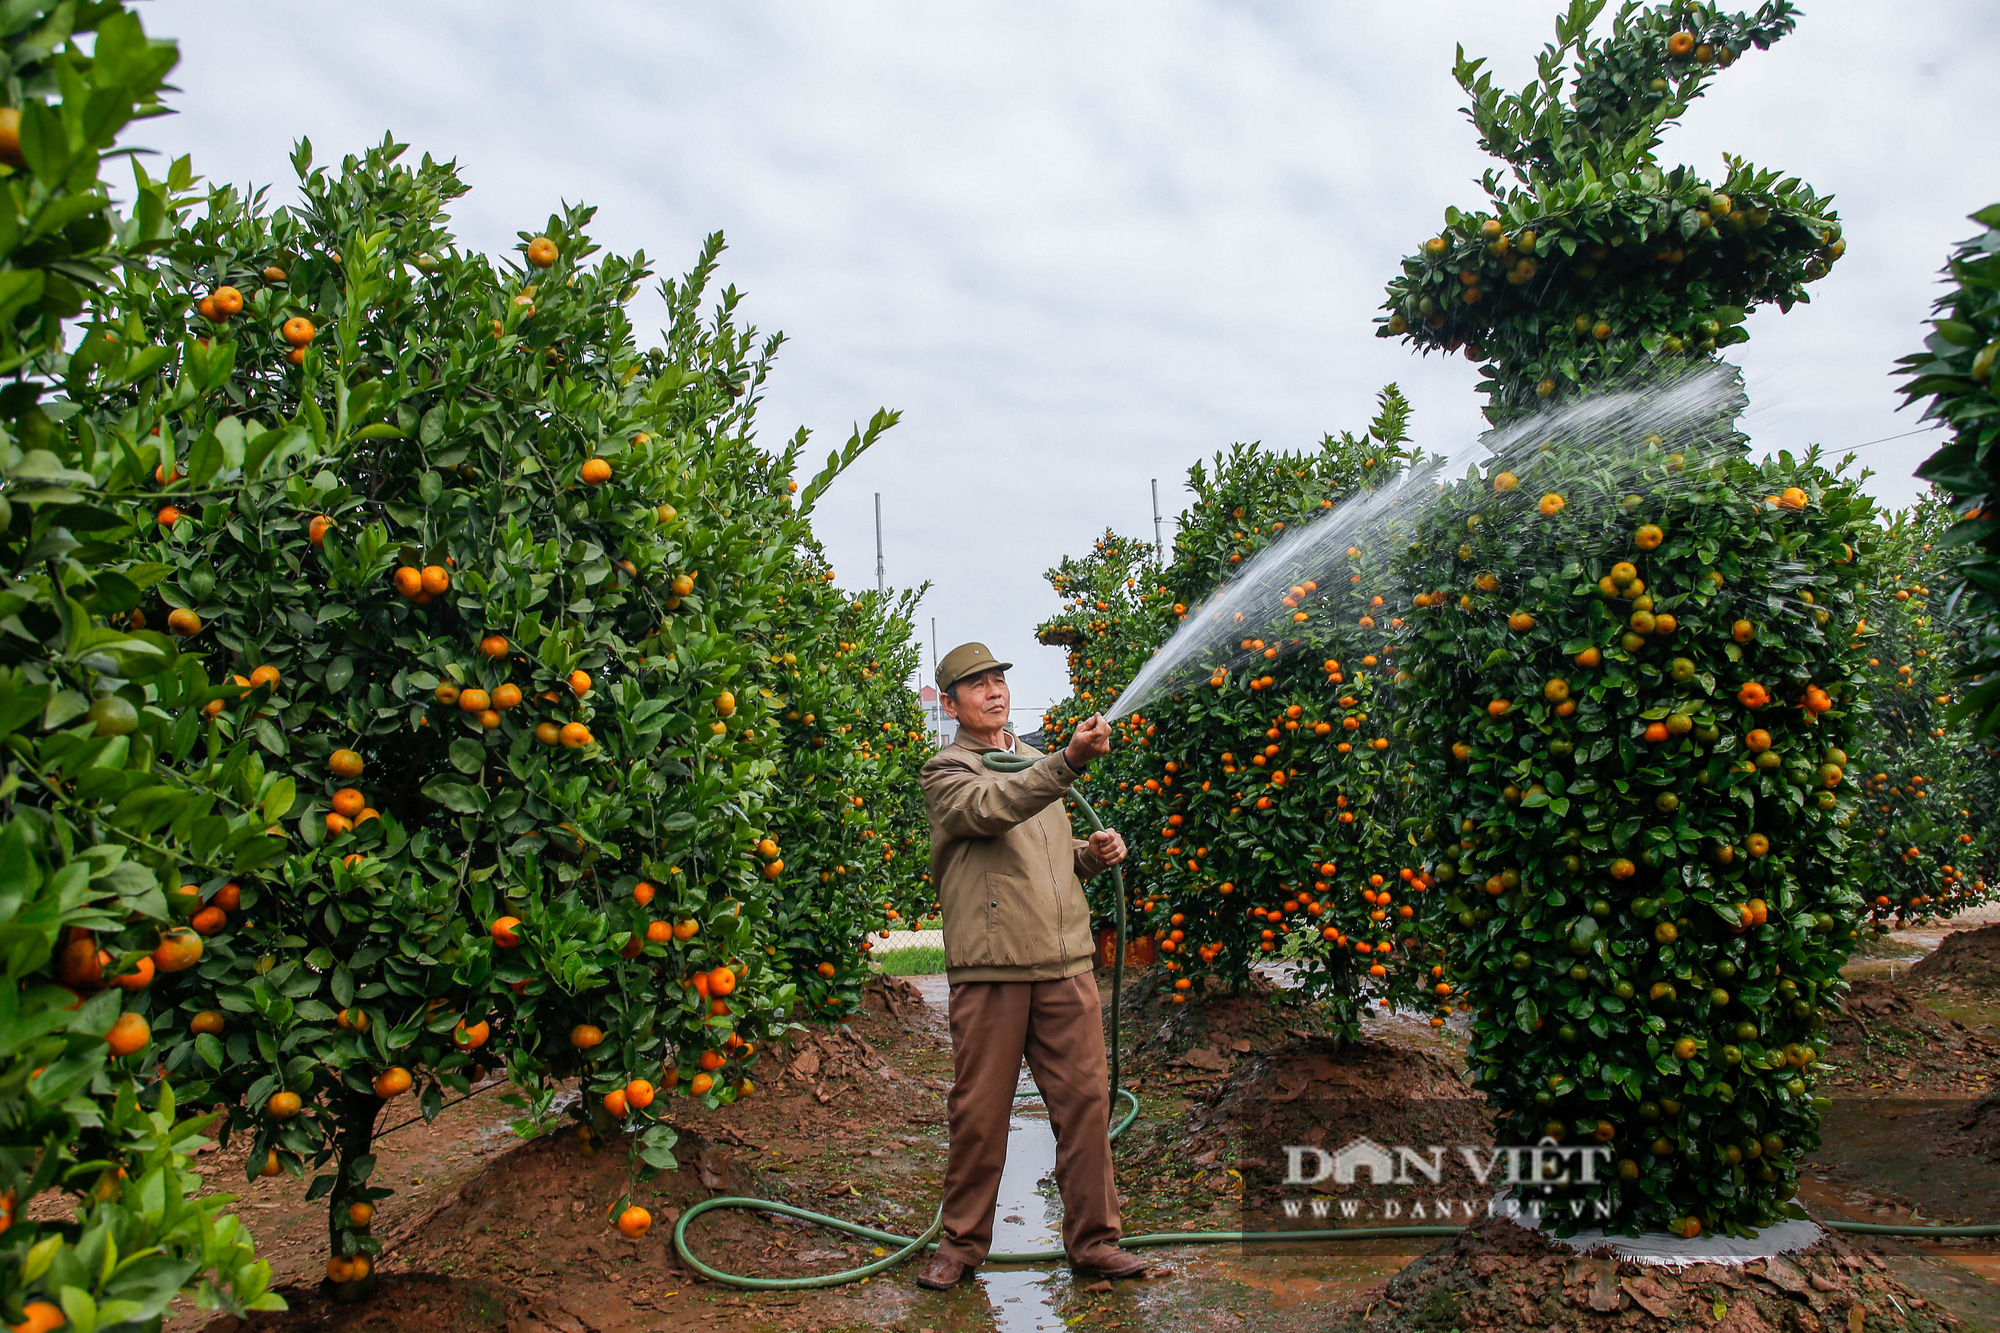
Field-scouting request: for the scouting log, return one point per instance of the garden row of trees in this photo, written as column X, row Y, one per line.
column 1617, row 741
column 409, row 677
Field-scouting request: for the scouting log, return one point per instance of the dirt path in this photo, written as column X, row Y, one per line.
column 487, row 1232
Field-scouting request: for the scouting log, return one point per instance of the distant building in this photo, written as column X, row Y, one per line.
column 939, row 727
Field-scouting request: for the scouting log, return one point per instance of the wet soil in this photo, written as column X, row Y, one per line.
column 489, row 1232
column 1498, row 1275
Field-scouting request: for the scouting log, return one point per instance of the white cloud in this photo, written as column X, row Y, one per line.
column 1082, row 245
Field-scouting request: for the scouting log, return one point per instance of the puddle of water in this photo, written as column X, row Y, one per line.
column 1021, row 1298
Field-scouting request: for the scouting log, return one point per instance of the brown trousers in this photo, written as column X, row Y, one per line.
column 1059, row 1027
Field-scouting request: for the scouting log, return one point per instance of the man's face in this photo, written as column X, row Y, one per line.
column 983, row 701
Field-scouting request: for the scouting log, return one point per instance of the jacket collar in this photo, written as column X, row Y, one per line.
column 1021, row 747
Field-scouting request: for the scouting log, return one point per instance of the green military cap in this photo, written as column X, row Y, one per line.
column 968, row 659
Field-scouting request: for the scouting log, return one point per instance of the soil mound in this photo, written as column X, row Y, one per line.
column 1888, row 1042
column 1968, row 960
column 1497, row 1275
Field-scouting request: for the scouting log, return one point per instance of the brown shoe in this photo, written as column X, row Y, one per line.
column 941, row 1272
column 1112, row 1264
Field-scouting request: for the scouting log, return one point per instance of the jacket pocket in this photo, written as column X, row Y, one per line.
column 1011, row 926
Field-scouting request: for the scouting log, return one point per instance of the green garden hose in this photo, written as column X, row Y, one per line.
column 1002, row 762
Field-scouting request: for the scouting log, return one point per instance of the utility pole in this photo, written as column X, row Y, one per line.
column 879, row 586
column 1159, row 546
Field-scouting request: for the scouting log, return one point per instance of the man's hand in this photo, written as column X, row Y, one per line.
column 1107, row 848
column 1091, row 741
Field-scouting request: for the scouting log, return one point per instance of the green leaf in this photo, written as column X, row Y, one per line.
column 467, row 756
column 456, row 796
column 278, row 801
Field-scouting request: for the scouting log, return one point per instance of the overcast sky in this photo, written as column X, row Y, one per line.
column 1083, row 245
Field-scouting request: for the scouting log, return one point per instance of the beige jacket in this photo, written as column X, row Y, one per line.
column 1007, row 869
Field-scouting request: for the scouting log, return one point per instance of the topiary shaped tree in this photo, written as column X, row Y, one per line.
column 1595, row 263
column 1631, row 647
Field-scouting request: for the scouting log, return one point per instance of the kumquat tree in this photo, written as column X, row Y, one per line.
column 1631, row 659
column 498, row 592
column 1266, row 799
column 1954, row 377
column 99, row 1223
column 846, row 788
column 1926, row 783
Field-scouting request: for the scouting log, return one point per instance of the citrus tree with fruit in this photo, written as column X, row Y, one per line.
column 1925, row 781
column 489, row 580
column 846, row 798
column 98, row 1220
column 1953, row 376
column 1590, row 261
column 1264, row 802
column 1631, row 663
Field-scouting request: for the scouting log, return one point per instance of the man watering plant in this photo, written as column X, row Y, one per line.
column 1008, row 873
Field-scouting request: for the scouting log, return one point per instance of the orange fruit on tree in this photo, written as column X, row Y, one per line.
column 141, row 975
column 1506, row 481
column 579, row 683
column 178, row 950
column 504, row 932
column 298, row 330
column 1753, row 695
column 548, row 733
column 638, row 1094
column 1680, row 44
column 209, row 920
column 721, row 981
column 686, row 928
column 392, row 1082
column 493, row 645
column 348, row 801
column 184, row 622
column 1498, row 707
column 1757, row 741
column 635, row 1222
column 471, row 1038
column 129, row 1033
column 710, row 1060
column 317, row 529
column 409, row 581
column 596, row 471
column 614, row 1103
column 586, row 1035
column 659, row 932
column 542, row 252
column 37, row 1316
column 344, row 764
column 283, row 1105
column 436, row 579
column 337, row 824
column 1743, row 631
column 574, row 735
column 1520, row 622
column 168, row 516
column 208, row 1022
column 474, row 701
column 725, row 704
column 1623, row 869
column 488, row 719
column 1649, row 536
column 1792, row 498
column 701, row 1083
column 228, row 301
column 360, row 1214
column 1552, row 504
column 642, row 893
column 507, row 696
column 1589, row 657
column 446, row 693
column 1656, row 732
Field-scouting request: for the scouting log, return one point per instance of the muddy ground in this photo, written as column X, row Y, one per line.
column 488, row 1232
